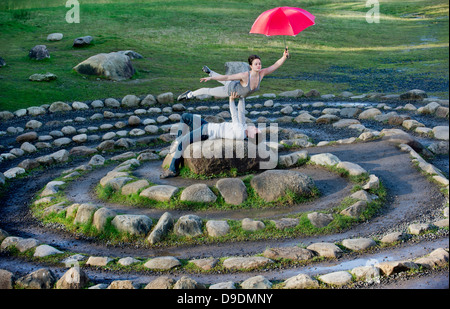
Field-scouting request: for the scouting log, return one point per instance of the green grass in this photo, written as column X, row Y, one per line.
column 178, row 37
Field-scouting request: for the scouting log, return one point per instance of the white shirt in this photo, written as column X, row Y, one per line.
column 227, row 130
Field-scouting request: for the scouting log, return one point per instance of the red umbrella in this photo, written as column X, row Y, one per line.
column 283, row 21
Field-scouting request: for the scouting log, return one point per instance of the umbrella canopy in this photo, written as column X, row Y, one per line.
column 283, row 21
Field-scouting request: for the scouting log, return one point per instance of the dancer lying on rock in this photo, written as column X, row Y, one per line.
column 244, row 83
column 200, row 130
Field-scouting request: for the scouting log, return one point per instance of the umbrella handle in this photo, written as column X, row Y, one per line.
column 287, row 56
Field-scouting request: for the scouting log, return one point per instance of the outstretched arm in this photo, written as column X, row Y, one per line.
column 276, row 65
column 223, row 78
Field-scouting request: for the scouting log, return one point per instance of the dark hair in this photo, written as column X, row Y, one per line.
column 252, row 58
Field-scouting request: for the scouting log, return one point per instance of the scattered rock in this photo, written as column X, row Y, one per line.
column 114, row 66
column 272, row 185
column 39, row 52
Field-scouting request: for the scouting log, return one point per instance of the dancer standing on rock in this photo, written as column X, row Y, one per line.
column 200, row 130
column 243, row 84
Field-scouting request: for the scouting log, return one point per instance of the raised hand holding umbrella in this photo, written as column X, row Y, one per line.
column 283, row 21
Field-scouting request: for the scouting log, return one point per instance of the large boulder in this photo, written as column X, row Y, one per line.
column 114, row 66
column 274, row 184
column 216, row 156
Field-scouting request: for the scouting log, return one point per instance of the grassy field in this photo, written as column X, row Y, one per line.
column 408, row 49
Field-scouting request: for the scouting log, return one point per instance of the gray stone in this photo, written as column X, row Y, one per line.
column 165, row 223
column 285, row 223
column 229, row 285
column 390, row 267
column 418, row 228
column 114, row 66
column 59, row 106
column 291, row 253
column 252, row 225
column 162, row 193
column 200, row 193
column 352, row 168
column 162, row 263
column 82, row 41
column 393, row 237
column 75, row 278
column 162, row 282
column 7, row 279
column 40, row 279
column 272, row 185
column 355, row 210
column 138, row 225
column 98, row 260
column 205, row 264
column 187, row 283
column 441, row 132
column 101, row 217
column 325, row 159
column 188, row 225
column 46, row 250
column 338, row 278
column 257, row 282
column 326, row 249
column 301, row 281
column 217, row 228
column 233, row 190
column 320, row 220
column 165, row 98
column 366, row 273
column 358, row 244
column 134, row 187
column 247, row 263
column 47, row 77
column 39, row 52
column 85, row 213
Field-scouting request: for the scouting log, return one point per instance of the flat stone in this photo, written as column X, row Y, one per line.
column 325, row 159
column 355, row 210
column 285, row 223
column 257, row 282
column 366, row 273
column 358, row 244
column 98, row 261
column 320, row 220
column 162, row 263
column 246, row 262
column 352, row 168
column 301, row 281
column 326, row 249
column 393, row 237
column 162, row 282
column 229, row 285
column 134, row 187
column 45, row 250
column 338, row 278
column 252, row 225
column 199, row 193
column 291, row 253
column 205, row 264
